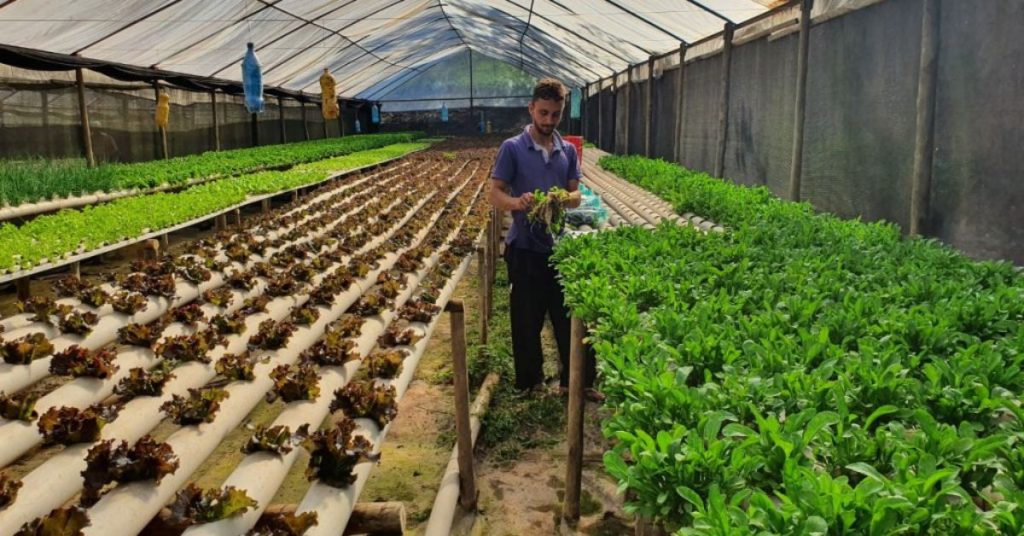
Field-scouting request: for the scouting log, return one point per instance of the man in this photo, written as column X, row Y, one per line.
column 537, row 159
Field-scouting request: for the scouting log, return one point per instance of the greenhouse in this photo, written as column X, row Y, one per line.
column 511, row 267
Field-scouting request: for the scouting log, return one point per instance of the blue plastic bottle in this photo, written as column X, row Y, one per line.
column 252, row 81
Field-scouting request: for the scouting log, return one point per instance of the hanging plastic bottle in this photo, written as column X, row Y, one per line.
column 252, row 80
column 444, row 112
column 375, row 114
column 359, row 126
column 329, row 98
column 163, row 110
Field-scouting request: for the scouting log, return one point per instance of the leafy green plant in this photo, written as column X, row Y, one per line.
column 19, row 406
column 295, row 382
column 367, row 400
column 201, row 405
column 82, row 362
column 109, row 462
column 277, row 439
column 290, row 524
column 24, row 350
column 66, row 521
column 142, row 382
column 335, row 452
column 8, row 490
column 67, row 426
column 193, row 504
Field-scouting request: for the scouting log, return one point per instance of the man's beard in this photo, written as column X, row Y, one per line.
column 545, row 131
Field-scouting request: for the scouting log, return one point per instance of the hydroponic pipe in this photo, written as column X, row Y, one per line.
column 334, row 506
column 442, row 513
column 56, row 480
column 261, row 474
column 16, row 377
column 128, row 508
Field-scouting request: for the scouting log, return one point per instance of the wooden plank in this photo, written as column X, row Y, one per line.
column 574, row 433
column 460, row 371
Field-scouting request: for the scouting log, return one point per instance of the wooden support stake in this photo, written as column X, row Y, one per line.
column 265, row 206
column 295, row 196
column 481, row 269
column 75, row 270
column 150, row 250
column 24, row 287
column 574, row 433
column 341, row 116
column 221, row 222
column 680, row 103
column 723, row 111
column 165, row 241
column 797, row 161
column 83, row 114
column 216, row 120
column 467, row 478
column 238, row 217
column 924, row 145
column 649, row 127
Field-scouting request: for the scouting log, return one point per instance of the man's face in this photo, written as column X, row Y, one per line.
column 546, row 114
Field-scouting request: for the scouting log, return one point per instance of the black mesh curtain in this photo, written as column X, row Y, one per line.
column 666, row 102
column 860, row 131
column 978, row 172
column 637, row 117
column 702, row 94
column 761, row 106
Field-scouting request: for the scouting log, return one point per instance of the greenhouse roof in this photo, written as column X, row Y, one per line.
column 369, row 45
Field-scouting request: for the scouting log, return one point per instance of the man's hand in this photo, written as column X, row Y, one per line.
column 524, row 202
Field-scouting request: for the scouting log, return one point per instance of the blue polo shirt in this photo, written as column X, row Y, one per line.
column 524, row 167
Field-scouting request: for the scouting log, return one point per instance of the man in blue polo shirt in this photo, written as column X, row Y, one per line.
column 537, row 159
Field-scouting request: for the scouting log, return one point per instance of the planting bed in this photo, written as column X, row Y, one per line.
column 286, row 309
column 799, row 373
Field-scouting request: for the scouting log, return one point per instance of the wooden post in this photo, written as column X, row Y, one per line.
column 265, row 205
column 254, row 127
column 83, row 113
column 924, row 145
column 797, row 162
column 481, row 275
column 341, row 116
column 470, row 83
column 75, row 270
column 216, row 120
column 467, row 479
column 680, row 103
column 649, row 127
column 295, row 195
column 584, row 120
column 165, row 241
column 574, row 434
column 326, row 135
column 150, row 250
column 305, row 120
column 238, row 217
column 45, row 103
column 24, row 287
column 629, row 108
column 221, row 222
column 600, row 114
column 723, row 111
column 280, row 119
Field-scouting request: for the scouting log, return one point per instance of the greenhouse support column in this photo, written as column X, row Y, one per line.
column 254, row 127
column 45, row 103
column 583, row 111
column 574, row 433
column 83, row 113
column 925, row 143
column 680, row 102
column 341, row 116
column 161, row 139
column 216, row 120
column 305, row 120
column 600, row 114
column 796, row 169
column 471, row 84
column 723, row 111
column 280, row 119
column 648, row 150
column 629, row 107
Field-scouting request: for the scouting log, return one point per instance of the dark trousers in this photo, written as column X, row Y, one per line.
column 536, row 293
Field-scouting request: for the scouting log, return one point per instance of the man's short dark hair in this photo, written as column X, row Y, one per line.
column 548, row 89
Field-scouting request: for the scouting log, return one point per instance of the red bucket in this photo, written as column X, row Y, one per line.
column 578, row 142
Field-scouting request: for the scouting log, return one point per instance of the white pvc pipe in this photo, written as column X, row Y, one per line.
column 261, row 474
column 442, row 513
column 16, row 377
column 334, row 506
column 56, row 480
column 128, row 508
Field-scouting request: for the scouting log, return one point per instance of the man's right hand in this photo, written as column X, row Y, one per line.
column 524, row 202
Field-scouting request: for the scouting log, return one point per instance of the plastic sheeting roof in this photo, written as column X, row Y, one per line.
column 370, row 46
